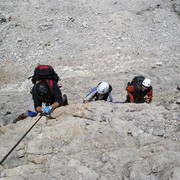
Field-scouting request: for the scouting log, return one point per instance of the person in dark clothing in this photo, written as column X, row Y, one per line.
column 142, row 94
column 48, row 93
column 51, row 96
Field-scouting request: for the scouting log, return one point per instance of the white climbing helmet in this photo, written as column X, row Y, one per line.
column 103, row 88
column 146, row 83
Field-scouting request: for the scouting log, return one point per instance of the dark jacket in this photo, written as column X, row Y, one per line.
column 57, row 96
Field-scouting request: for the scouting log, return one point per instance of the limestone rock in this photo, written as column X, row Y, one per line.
column 88, row 42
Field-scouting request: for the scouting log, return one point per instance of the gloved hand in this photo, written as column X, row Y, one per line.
column 46, row 109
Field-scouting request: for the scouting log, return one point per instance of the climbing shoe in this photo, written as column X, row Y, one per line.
column 65, row 100
column 19, row 118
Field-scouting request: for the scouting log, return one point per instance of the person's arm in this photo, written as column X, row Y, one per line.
column 38, row 109
column 90, row 95
column 149, row 96
column 54, row 105
column 37, row 102
column 130, row 91
column 48, row 109
column 110, row 98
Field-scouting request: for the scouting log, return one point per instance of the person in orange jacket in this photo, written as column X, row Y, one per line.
column 140, row 95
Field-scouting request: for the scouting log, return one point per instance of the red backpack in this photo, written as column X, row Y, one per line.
column 45, row 73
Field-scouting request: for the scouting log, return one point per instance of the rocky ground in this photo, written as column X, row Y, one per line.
column 88, row 42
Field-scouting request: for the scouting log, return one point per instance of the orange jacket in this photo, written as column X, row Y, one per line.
column 139, row 95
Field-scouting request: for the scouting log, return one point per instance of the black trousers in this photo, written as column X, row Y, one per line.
column 136, row 100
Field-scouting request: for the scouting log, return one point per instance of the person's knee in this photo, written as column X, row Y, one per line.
column 65, row 100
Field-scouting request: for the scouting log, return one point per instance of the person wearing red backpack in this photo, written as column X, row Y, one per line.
column 45, row 91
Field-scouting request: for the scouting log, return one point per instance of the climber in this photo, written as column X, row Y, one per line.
column 45, row 90
column 101, row 92
column 139, row 91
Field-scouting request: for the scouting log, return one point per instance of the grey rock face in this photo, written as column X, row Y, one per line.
column 87, row 145
column 176, row 7
column 88, row 42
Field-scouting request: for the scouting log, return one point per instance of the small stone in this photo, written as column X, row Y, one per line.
column 2, row 130
column 159, row 64
column 178, row 101
column 176, row 7
column 85, row 24
column 7, row 113
column 19, row 39
column 178, row 88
